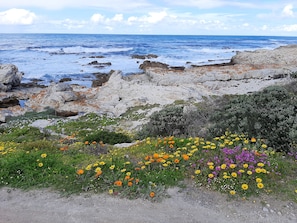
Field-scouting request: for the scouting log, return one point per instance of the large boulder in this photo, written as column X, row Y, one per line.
column 9, row 77
column 55, row 96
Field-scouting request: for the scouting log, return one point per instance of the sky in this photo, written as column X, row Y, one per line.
column 162, row 17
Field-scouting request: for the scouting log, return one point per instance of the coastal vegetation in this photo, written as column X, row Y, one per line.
column 240, row 145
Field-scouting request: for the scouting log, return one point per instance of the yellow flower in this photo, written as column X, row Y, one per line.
column 112, row 167
column 245, row 165
column 98, row 169
column 110, row 191
column 43, row 155
column 263, row 170
column 128, row 174
column 258, row 170
column 223, row 166
column 260, row 185
column 210, row 163
column 234, row 174
column 241, row 171
column 40, row 164
column 101, row 163
column 211, row 167
column 264, row 146
column 296, row 191
column 165, row 164
column 260, row 164
column 123, row 170
column 197, row 172
column 249, row 172
column 253, row 139
column 245, row 186
column 210, row 175
column 89, row 167
column 258, row 180
column 232, row 192
column 226, row 177
column 232, row 165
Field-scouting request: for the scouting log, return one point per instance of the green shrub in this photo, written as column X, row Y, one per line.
column 179, row 120
column 107, row 137
column 270, row 114
column 164, row 123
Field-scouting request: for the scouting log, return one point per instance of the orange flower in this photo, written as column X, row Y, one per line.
column 137, row 168
column 185, row 157
column 127, row 177
column 159, row 160
column 152, row 194
column 253, row 139
column 156, row 156
column 64, row 148
column 130, row 184
column 147, row 158
column 118, row 183
column 94, row 142
column 171, row 146
column 166, row 156
column 137, row 181
column 86, row 142
column 176, row 161
column 80, row 171
column 98, row 174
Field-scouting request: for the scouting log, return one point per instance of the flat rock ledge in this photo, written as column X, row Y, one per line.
column 247, row 72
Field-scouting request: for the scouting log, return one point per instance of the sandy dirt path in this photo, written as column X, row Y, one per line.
column 188, row 206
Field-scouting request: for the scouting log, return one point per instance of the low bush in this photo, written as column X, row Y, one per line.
column 270, row 114
column 178, row 120
column 107, row 137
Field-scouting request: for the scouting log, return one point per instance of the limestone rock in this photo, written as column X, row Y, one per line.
column 9, row 77
column 284, row 55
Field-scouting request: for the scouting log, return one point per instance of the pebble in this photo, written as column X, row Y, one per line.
column 265, row 209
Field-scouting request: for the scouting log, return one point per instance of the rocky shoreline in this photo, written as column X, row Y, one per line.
column 159, row 84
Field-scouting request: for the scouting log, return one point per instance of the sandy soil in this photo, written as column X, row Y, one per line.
column 187, row 206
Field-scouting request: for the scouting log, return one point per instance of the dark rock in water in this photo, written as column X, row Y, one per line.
column 101, row 78
column 65, row 79
column 100, row 64
column 152, row 64
column 65, row 113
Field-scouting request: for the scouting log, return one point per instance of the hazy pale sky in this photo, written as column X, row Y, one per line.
column 191, row 17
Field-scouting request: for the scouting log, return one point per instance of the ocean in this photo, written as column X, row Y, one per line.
column 51, row 57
